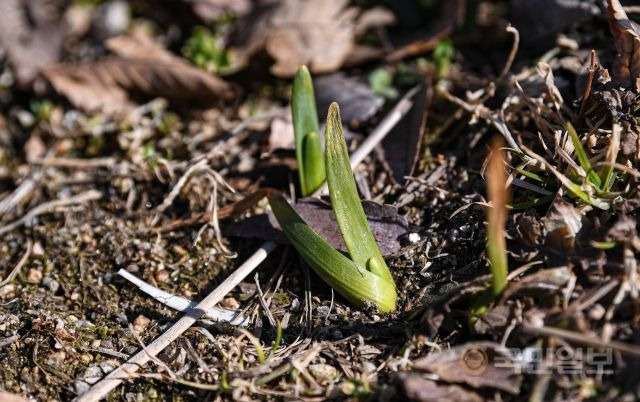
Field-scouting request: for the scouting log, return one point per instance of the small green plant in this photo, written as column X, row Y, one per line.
column 442, row 55
column 496, row 222
column 381, row 82
column 206, row 50
column 306, row 129
column 365, row 279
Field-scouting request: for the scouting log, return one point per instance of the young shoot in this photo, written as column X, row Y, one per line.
column 499, row 198
column 306, row 129
column 365, row 279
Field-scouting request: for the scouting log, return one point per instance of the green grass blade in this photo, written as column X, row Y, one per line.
column 305, row 122
column 345, row 201
column 360, row 287
column 581, row 154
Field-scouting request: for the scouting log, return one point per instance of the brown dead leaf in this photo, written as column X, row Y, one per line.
column 561, row 225
column 417, row 388
column 32, row 36
column 142, row 69
column 626, row 38
column 477, row 364
column 358, row 102
column 318, row 33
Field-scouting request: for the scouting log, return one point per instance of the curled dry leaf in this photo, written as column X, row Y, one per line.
column 626, row 38
column 474, row 364
column 142, row 69
column 318, row 33
column 561, row 225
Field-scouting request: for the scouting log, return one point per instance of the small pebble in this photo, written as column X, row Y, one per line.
column 37, row 249
column 295, row 305
column 140, row 322
column 81, row 387
column 86, row 358
column 162, row 276
column 96, row 343
column 597, row 312
column 323, row 310
column 7, row 290
column 51, row 284
column 414, row 237
column 34, row 276
column 230, row 302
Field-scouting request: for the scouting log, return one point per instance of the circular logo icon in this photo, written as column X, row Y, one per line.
column 474, row 361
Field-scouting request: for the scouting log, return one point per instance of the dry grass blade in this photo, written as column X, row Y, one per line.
column 499, row 197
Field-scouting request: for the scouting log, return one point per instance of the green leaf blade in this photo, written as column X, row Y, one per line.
column 360, row 287
column 581, row 154
column 345, row 201
column 305, row 121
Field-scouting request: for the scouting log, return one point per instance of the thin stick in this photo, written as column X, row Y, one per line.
column 184, row 305
column 82, row 163
column 629, row 349
column 50, row 206
column 587, row 89
column 16, row 270
column 102, row 388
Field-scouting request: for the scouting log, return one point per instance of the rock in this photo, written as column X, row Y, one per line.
column 81, row 387
column 140, row 322
column 51, row 284
column 324, row 373
column 162, row 276
column 34, row 276
column 7, row 290
column 91, row 375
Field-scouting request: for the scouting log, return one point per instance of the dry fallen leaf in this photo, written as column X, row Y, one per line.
column 561, row 225
column 358, row 103
column 477, row 364
column 626, row 38
column 417, row 388
column 32, row 36
column 142, row 69
column 318, row 33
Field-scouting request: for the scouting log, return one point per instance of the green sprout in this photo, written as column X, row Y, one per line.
column 206, row 50
column 442, row 55
column 306, row 129
column 381, row 83
column 365, row 279
column 496, row 222
column 595, row 188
